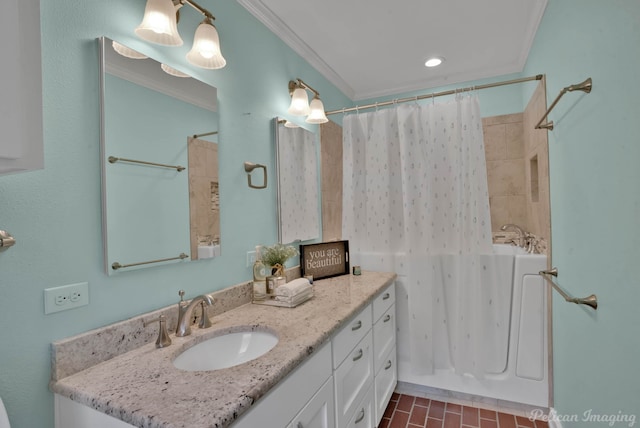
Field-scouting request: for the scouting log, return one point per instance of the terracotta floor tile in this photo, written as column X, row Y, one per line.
column 454, row 408
column 422, row 402
column 395, row 396
column 470, row 416
column 418, row 415
column 436, row 409
column 434, row 423
column 488, row 414
column 506, row 421
column 452, row 420
column 405, row 403
column 486, row 423
column 400, row 420
column 524, row 422
column 384, row 423
column 388, row 412
column 415, row 426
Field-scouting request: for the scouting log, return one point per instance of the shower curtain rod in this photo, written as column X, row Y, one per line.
column 436, row 94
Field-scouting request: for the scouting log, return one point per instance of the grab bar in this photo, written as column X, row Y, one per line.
column 116, row 265
column 113, row 159
column 591, row 300
column 583, row 86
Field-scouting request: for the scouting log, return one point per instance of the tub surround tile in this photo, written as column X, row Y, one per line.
column 143, row 388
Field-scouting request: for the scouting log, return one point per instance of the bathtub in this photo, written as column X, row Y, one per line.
column 519, row 368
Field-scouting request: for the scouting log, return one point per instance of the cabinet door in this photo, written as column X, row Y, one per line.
column 21, row 148
column 353, row 378
column 320, row 411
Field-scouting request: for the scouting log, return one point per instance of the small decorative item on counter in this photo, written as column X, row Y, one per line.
column 274, row 282
column 325, row 260
column 276, row 256
column 357, row 270
column 309, row 278
column 259, row 277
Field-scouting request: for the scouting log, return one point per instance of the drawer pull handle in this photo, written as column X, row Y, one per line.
column 360, row 416
column 385, row 296
column 356, row 326
column 387, row 318
column 388, row 366
column 360, row 354
column 300, row 425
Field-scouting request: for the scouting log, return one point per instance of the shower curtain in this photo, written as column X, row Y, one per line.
column 415, row 190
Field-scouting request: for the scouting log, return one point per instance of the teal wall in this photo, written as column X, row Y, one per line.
column 595, row 202
column 55, row 213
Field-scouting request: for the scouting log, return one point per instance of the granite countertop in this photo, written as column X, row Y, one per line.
column 143, row 388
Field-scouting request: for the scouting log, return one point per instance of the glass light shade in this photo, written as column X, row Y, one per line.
column 317, row 112
column 205, row 52
column 127, row 51
column 159, row 23
column 299, row 103
column 172, row 71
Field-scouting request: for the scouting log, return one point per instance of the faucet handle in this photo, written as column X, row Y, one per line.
column 163, row 336
column 205, row 322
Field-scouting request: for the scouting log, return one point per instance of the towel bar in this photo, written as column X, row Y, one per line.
column 591, row 300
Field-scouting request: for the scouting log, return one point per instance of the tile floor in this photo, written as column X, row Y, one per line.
column 405, row 411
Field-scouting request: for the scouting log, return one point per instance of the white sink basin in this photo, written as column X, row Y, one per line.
column 226, row 351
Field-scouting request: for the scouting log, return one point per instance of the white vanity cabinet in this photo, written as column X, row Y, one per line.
column 304, row 397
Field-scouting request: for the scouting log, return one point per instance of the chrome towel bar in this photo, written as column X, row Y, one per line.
column 113, row 159
column 116, row 265
column 591, row 300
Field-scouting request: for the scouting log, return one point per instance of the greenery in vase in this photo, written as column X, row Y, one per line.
column 277, row 254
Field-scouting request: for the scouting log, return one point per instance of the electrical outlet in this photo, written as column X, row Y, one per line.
column 251, row 258
column 70, row 296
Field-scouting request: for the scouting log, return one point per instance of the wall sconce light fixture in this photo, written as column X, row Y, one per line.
column 249, row 167
column 160, row 25
column 300, row 102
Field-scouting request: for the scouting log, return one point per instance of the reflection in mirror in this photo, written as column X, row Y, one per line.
column 148, row 119
column 298, row 189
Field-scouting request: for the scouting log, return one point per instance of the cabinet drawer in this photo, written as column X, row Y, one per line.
column 352, row 333
column 384, row 337
column 352, row 380
column 365, row 412
column 384, row 301
column 385, row 383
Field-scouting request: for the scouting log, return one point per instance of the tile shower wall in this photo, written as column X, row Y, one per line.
column 505, row 154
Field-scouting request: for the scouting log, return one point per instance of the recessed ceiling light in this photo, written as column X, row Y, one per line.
column 434, row 62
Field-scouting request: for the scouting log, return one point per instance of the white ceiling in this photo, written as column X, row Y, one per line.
column 372, row 48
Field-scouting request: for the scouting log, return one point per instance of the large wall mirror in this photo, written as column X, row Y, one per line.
column 159, row 162
column 297, row 164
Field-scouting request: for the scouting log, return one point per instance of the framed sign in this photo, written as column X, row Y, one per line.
column 325, row 260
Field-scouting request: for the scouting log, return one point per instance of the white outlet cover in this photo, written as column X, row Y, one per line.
column 72, row 295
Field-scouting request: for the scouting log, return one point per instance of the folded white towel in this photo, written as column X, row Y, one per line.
column 293, row 288
column 297, row 299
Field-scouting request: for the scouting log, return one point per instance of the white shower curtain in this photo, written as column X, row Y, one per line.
column 415, row 190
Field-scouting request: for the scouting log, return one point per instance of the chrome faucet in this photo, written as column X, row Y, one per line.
column 185, row 313
column 521, row 233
